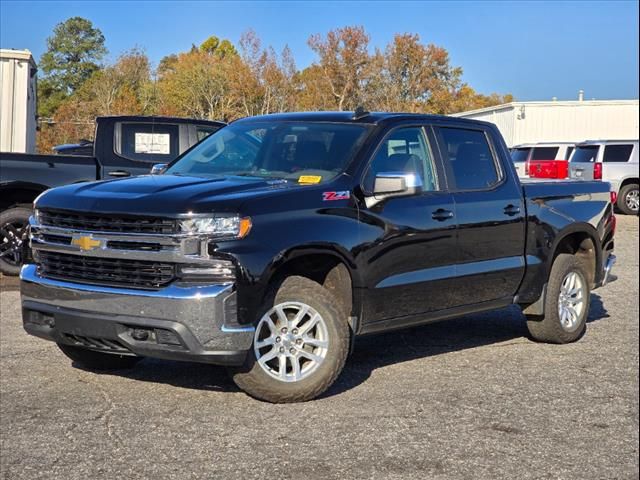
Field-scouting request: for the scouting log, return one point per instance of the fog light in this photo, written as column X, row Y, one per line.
column 140, row 334
column 220, row 271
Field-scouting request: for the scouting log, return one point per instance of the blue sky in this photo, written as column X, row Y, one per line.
column 535, row 50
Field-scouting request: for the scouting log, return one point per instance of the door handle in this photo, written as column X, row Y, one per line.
column 119, row 173
column 511, row 210
column 441, row 215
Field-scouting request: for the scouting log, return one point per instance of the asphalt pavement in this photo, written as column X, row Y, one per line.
column 469, row 398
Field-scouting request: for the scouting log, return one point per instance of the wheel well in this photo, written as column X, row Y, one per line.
column 629, row 181
column 582, row 246
column 18, row 196
column 327, row 270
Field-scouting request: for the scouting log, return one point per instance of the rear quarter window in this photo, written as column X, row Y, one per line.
column 617, row 153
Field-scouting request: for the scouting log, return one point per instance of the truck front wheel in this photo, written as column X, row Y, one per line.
column 92, row 360
column 300, row 344
column 12, row 224
column 566, row 303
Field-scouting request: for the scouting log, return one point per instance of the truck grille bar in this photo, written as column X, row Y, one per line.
column 107, row 223
column 105, row 271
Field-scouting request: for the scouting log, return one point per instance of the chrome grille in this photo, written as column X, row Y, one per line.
column 107, row 223
column 113, row 272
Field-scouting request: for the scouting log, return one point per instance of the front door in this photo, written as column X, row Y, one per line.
column 408, row 242
column 490, row 215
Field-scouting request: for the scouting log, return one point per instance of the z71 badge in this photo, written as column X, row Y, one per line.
column 330, row 196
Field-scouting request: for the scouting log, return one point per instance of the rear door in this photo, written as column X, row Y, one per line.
column 582, row 161
column 490, row 214
column 409, row 251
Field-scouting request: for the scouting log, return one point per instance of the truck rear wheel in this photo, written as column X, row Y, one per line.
column 92, row 360
column 629, row 199
column 300, row 345
column 12, row 224
column 566, row 303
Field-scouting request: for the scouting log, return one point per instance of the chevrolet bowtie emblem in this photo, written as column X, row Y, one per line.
column 86, row 243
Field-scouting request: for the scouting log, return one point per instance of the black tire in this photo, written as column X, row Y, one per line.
column 255, row 381
column 92, row 360
column 549, row 328
column 625, row 192
column 12, row 222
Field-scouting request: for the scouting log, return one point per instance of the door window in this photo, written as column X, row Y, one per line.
column 469, row 160
column 617, row 153
column 404, row 151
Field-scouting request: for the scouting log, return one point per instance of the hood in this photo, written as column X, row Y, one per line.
column 163, row 195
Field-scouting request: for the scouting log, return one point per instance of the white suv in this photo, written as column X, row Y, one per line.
column 613, row 161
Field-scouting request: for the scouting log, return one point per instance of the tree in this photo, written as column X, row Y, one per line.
column 73, row 55
column 214, row 46
column 74, row 52
column 343, row 60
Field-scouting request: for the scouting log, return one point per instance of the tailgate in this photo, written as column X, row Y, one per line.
column 581, row 170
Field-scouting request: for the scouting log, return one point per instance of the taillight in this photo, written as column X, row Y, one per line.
column 614, row 197
column 526, row 167
column 597, row 171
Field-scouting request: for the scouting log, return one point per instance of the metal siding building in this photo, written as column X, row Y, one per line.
column 17, row 101
column 562, row 121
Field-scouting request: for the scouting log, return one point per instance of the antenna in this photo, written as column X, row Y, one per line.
column 360, row 113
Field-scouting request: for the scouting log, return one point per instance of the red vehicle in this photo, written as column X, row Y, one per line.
column 542, row 160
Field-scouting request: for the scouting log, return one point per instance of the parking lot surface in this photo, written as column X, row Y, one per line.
column 468, row 398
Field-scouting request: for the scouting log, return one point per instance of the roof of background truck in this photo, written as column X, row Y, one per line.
column 158, row 118
column 372, row 118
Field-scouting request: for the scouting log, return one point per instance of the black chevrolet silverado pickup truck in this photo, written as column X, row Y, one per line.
column 124, row 146
column 274, row 243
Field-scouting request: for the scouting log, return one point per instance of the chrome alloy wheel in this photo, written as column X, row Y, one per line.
column 11, row 242
column 633, row 200
column 571, row 302
column 291, row 341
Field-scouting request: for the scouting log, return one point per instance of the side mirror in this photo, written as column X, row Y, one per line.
column 394, row 184
column 158, row 168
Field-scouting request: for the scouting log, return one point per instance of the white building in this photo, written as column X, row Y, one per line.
column 562, row 121
column 17, row 101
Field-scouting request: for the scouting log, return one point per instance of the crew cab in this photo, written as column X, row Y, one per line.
column 277, row 241
column 542, row 160
column 124, row 146
column 613, row 161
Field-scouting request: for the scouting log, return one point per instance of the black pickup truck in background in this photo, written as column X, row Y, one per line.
column 272, row 244
column 123, row 146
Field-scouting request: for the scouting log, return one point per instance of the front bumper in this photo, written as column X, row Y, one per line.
column 192, row 323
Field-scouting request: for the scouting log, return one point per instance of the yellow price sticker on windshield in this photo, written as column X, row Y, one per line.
column 309, row 179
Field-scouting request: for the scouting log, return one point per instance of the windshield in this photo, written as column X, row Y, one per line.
column 519, row 154
column 585, row 154
column 312, row 152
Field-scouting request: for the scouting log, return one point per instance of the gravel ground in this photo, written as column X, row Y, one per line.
column 469, row 398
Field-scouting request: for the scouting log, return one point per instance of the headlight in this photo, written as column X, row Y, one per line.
column 223, row 227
